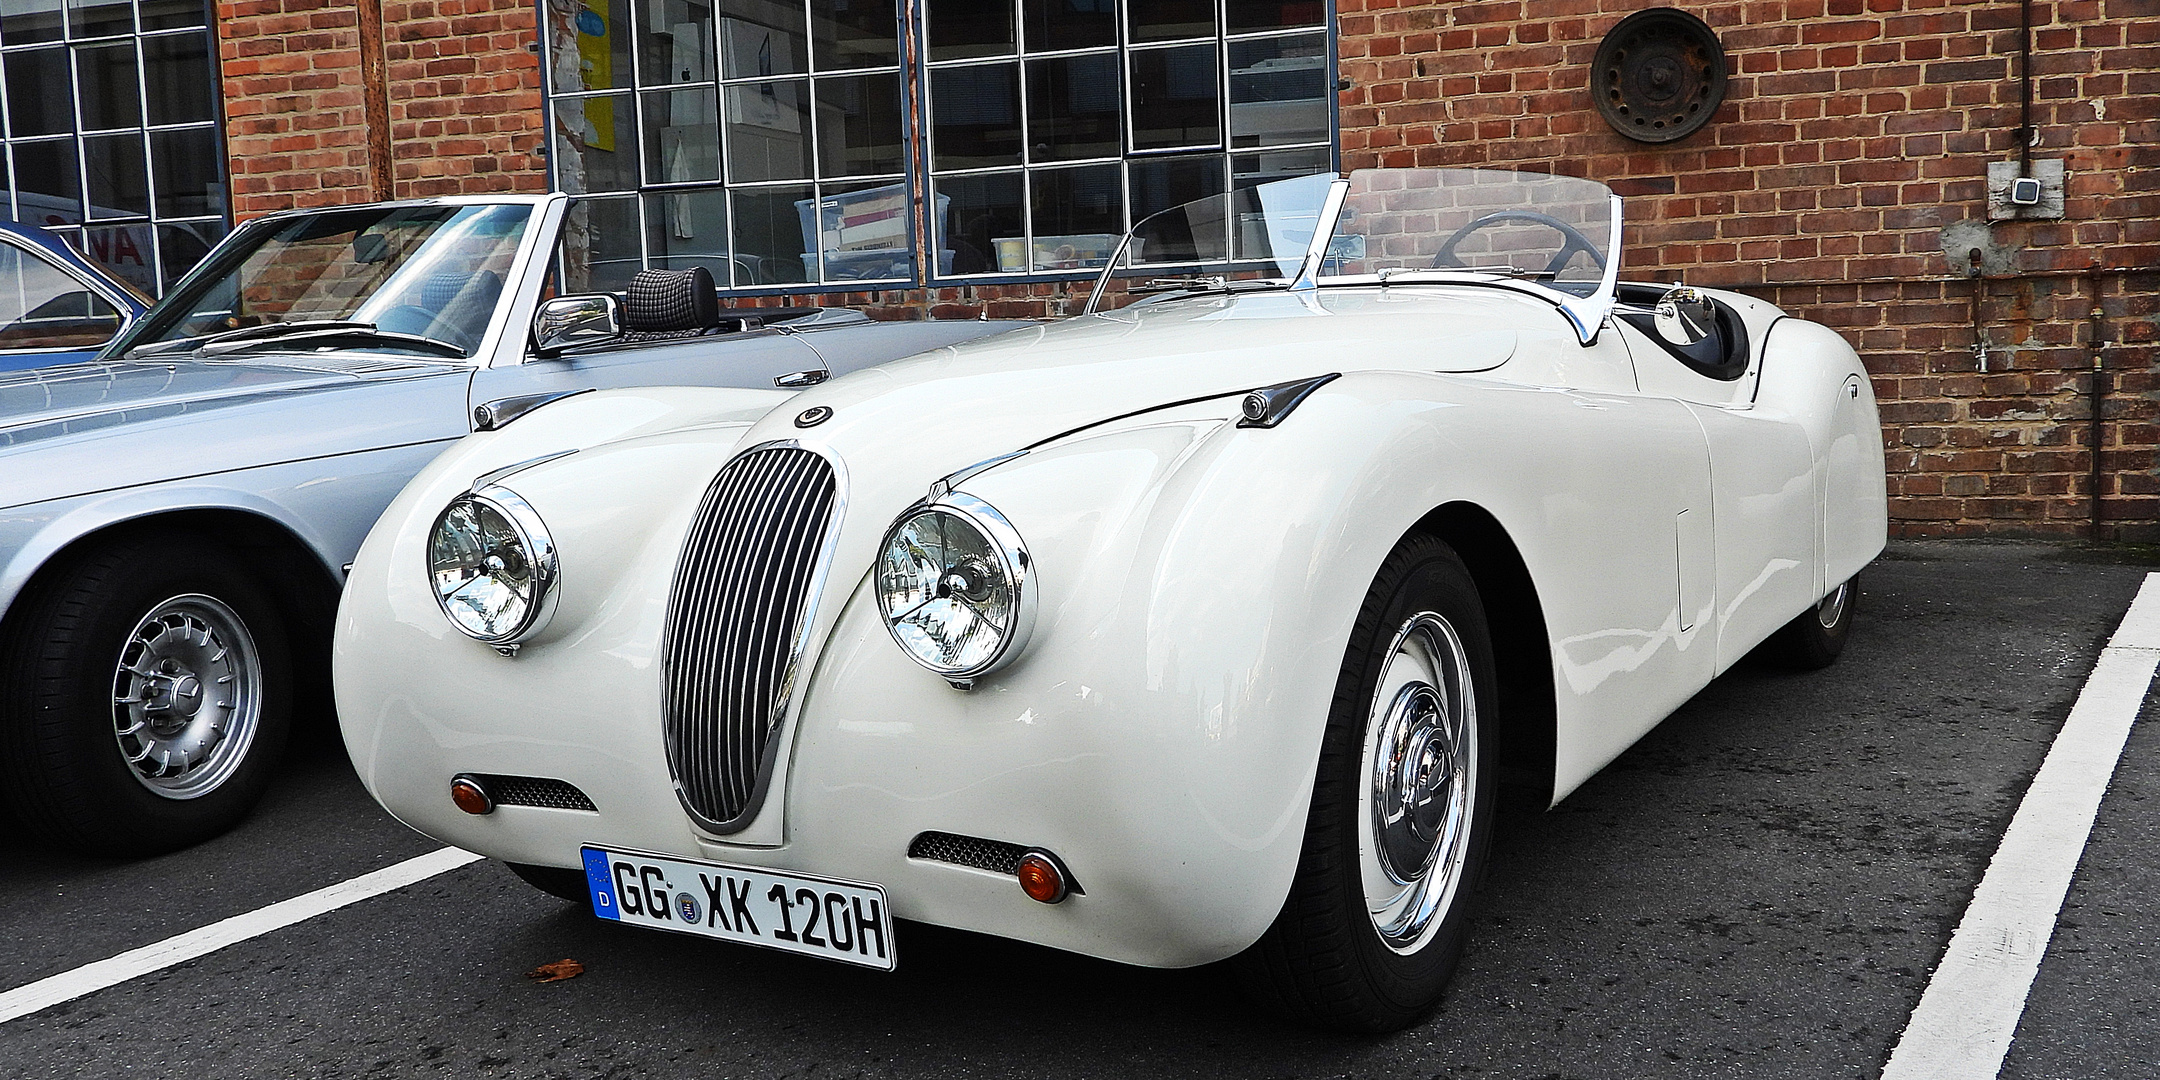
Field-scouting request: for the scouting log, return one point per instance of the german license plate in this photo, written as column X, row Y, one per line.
column 836, row 920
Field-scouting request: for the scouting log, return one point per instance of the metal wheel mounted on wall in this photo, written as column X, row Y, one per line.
column 144, row 696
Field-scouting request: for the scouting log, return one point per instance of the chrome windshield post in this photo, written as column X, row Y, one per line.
column 1323, row 235
column 1588, row 313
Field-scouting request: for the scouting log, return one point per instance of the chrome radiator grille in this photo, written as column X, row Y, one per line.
column 736, row 615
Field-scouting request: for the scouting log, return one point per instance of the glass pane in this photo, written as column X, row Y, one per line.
column 975, row 116
column 1164, row 20
column 982, row 224
column 1079, row 216
column 189, row 182
column 589, row 44
column 47, row 187
column 762, row 37
column 179, row 79
column 105, row 81
column 171, row 14
column 677, row 39
column 34, row 106
column 770, row 234
column 118, row 182
column 1069, row 24
column 964, row 28
column 100, row 18
column 854, row 33
column 43, row 308
column 682, row 137
column 1248, row 170
column 1157, row 184
column 181, row 246
column 599, row 245
column 768, row 135
column 124, row 251
column 1174, row 98
column 1073, row 108
column 859, row 128
column 1247, row 15
column 595, row 144
column 688, row 228
column 1278, row 90
column 863, row 231
column 25, row 21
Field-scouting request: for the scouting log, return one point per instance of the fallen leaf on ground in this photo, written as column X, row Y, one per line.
column 557, row 971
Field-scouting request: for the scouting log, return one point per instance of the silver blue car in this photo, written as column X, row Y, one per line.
column 176, row 514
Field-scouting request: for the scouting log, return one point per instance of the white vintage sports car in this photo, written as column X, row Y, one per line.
column 1205, row 627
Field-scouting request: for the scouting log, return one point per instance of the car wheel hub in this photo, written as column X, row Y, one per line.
column 1832, row 607
column 187, row 696
column 1419, row 761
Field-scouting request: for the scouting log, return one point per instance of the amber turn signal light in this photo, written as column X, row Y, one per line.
column 469, row 796
column 1041, row 877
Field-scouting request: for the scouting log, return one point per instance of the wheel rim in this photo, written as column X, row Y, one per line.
column 1832, row 609
column 1420, row 773
column 187, row 696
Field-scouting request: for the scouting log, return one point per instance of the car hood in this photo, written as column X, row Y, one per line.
column 958, row 405
column 56, row 402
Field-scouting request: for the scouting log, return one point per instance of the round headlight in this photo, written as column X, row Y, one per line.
column 492, row 566
column 954, row 584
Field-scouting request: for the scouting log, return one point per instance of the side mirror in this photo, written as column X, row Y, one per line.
column 1685, row 317
column 570, row 322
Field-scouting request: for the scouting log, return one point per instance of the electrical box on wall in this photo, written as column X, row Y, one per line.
column 2013, row 195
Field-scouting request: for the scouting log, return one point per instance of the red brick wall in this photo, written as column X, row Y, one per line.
column 463, row 100
column 465, row 113
column 1853, row 133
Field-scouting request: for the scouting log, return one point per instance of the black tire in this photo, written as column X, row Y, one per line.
column 64, row 771
column 1815, row 637
column 555, row 881
column 1324, row 960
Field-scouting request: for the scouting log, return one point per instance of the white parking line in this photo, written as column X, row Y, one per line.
column 89, row 978
column 1966, row 1017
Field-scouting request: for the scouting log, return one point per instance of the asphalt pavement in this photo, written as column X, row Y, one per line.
column 1758, row 889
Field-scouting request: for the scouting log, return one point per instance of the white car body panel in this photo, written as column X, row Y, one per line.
column 1198, row 582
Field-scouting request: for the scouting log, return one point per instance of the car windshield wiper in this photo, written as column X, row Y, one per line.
column 265, row 330
column 359, row 330
column 1204, row 283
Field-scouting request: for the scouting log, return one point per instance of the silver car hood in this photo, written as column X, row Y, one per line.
column 102, row 425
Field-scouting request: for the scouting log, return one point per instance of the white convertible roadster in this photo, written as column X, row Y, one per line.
column 1197, row 628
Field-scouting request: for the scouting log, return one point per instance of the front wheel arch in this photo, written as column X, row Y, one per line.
column 1522, row 652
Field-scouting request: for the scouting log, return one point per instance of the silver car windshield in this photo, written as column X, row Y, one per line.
column 1551, row 235
column 423, row 278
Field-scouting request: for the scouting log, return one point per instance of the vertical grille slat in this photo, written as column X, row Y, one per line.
column 736, row 611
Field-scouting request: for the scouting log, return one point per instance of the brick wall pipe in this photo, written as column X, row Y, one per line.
column 2025, row 124
column 375, row 98
column 2096, row 340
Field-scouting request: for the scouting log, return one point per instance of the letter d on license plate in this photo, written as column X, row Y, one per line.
column 837, row 920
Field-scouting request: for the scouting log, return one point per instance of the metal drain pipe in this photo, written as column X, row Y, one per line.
column 2096, row 340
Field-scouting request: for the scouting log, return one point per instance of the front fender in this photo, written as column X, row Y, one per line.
column 1199, row 579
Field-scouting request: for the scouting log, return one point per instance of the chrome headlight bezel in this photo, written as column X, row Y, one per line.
column 1018, row 567
column 540, row 555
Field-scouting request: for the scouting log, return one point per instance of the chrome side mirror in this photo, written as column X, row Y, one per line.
column 1685, row 317
column 570, row 322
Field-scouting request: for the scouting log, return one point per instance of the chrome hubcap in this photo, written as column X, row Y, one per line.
column 187, row 696
column 1419, row 765
column 1832, row 607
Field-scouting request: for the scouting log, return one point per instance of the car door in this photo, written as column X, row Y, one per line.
column 751, row 358
column 48, row 313
column 1763, row 521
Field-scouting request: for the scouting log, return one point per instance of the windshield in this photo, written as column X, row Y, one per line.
column 385, row 275
column 1552, row 234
